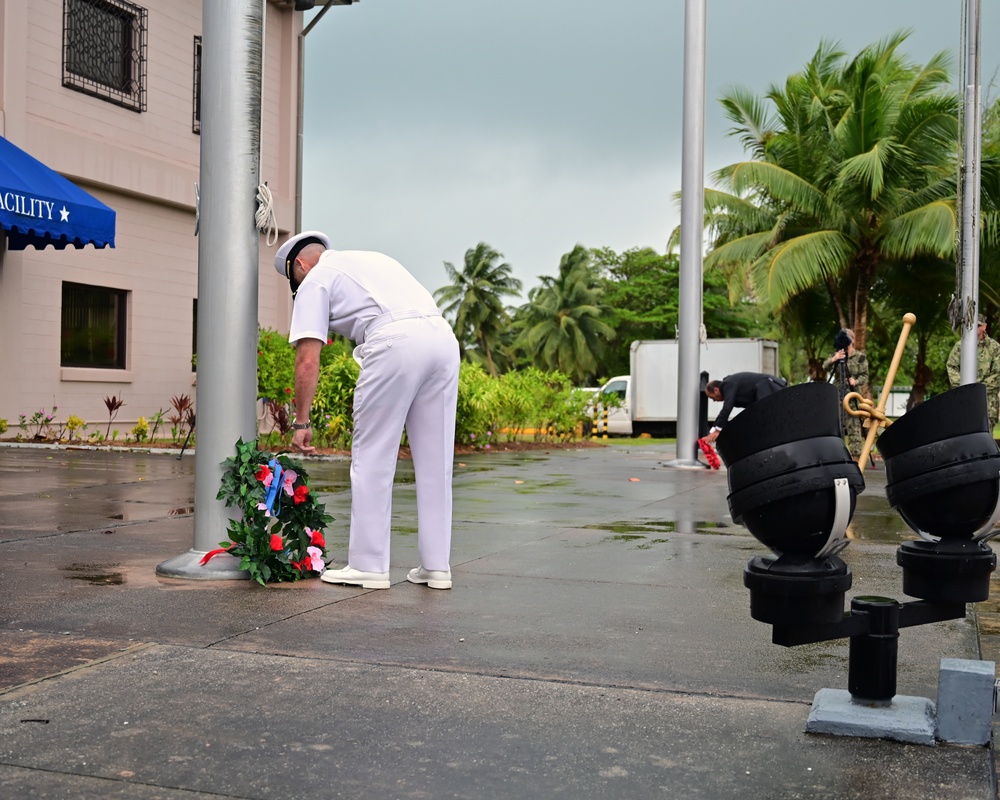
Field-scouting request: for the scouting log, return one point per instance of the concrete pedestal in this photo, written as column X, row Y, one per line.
column 904, row 719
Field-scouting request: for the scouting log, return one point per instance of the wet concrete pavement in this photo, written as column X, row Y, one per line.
column 597, row 643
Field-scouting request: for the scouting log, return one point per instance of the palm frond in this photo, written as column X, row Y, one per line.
column 928, row 230
column 800, row 263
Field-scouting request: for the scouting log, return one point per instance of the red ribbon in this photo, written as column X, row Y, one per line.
column 710, row 454
column 211, row 554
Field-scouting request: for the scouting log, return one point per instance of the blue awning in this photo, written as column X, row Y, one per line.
column 39, row 207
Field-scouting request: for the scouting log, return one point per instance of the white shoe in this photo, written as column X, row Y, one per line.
column 434, row 578
column 355, row 577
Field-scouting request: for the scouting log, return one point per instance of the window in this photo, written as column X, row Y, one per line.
column 196, row 121
column 616, row 388
column 93, row 326
column 104, row 50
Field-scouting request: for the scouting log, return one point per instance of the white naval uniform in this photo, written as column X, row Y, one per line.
column 409, row 377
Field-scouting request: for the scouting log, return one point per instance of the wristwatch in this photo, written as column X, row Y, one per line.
column 301, row 426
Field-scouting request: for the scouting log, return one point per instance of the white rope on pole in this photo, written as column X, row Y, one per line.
column 266, row 222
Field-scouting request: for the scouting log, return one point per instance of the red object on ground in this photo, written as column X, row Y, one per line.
column 710, row 454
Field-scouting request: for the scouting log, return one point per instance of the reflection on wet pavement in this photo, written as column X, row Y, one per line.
column 95, row 574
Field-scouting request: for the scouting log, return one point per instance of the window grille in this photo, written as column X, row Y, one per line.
column 104, row 50
column 196, row 118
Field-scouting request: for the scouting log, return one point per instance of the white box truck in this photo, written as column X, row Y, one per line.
column 647, row 396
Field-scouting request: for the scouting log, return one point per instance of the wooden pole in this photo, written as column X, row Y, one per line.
column 883, row 398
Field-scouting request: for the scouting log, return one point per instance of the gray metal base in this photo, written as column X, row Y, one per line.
column 905, row 719
column 222, row 567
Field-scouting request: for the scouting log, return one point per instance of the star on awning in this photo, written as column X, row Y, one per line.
column 39, row 207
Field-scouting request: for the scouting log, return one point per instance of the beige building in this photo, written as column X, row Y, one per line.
column 105, row 92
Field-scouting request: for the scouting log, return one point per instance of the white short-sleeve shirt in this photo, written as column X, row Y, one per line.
column 347, row 289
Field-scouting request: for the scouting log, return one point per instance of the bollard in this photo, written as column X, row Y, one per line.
column 965, row 701
column 872, row 656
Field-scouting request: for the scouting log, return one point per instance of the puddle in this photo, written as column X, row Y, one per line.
column 541, row 486
column 643, row 542
column 95, row 574
column 665, row 526
column 649, row 545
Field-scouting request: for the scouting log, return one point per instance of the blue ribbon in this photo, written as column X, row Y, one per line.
column 273, row 499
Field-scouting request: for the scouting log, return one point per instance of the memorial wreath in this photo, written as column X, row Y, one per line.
column 280, row 534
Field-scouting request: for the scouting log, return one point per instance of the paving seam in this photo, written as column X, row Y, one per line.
column 438, row 669
column 216, row 647
column 127, row 651
column 121, row 782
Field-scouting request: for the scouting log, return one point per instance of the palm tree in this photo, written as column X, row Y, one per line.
column 474, row 300
column 562, row 326
column 922, row 288
column 852, row 174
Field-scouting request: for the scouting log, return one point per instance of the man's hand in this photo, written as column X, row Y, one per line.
column 840, row 355
column 302, row 441
column 712, row 436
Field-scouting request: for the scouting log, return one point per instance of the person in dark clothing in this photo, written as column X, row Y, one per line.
column 739, row 390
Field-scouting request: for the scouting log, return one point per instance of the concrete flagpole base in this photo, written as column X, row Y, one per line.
column 680, row 463
column 222, row 567
column 904, row 718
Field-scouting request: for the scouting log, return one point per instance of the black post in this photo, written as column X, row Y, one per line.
column 703, row 407
column 842, row 382
column 871, row 676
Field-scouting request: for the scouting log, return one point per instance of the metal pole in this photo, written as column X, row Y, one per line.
column 300, row 114
column 970, row 197
column 692, row 230
column 228, row 267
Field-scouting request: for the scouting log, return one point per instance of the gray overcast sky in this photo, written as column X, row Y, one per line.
column 535, row 125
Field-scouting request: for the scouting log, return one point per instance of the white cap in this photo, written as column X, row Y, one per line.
column 291, row 248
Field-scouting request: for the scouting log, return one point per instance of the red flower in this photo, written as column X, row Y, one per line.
column 276, row 543
column 316, row 538
column 263, row 473
column 300, row 494
column 288, row 391
column 298, row 565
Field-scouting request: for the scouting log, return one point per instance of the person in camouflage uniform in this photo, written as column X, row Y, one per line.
column 987, row 372
column 856, row 380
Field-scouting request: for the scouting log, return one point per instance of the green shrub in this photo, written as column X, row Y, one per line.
column 543, row 402
column 332, row 413
column 478, row 407
column 275, row 366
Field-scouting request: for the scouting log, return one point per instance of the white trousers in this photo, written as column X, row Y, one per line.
column 409, row 377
